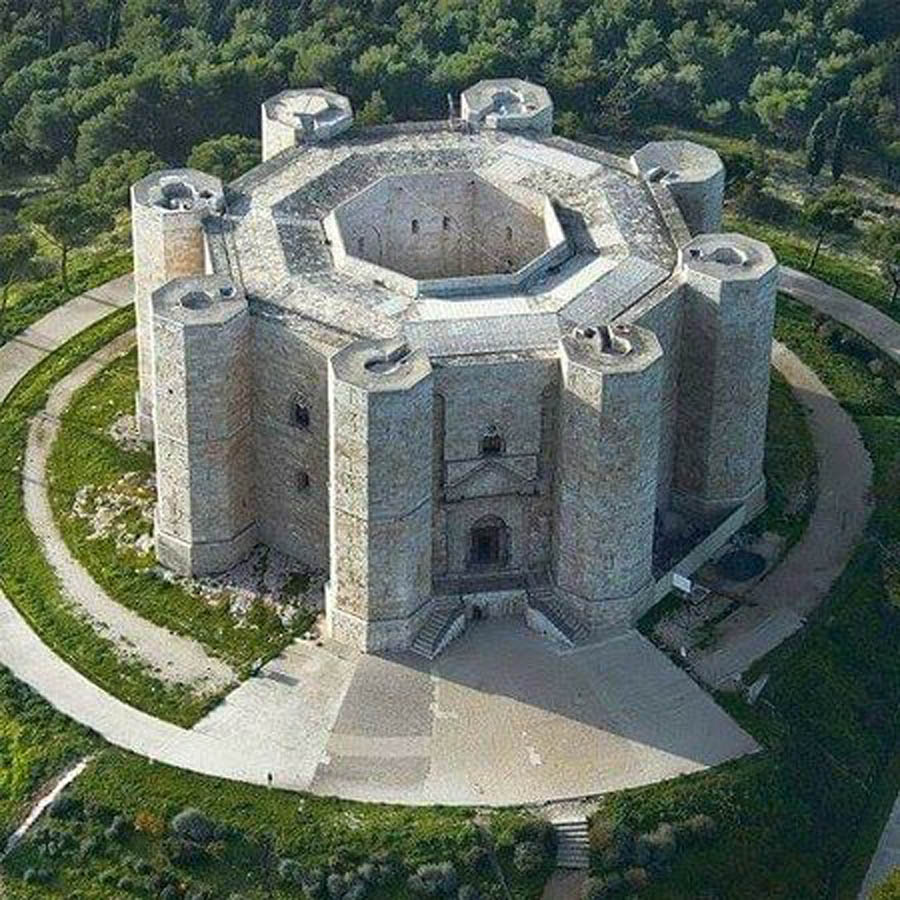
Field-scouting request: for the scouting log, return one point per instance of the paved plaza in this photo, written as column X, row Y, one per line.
column 502, row 717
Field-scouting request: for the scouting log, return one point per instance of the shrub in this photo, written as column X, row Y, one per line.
column 636, row 878
column 478, row 860
column 603, row 886
column 335, row 885
column 290, row 871
column 434, row 880
column 700, row 828
column 147, row 823
column 613, row 846
column 185, row 853
column 529, row 857
column 313, row 883
column 356, row 890
column 66, row 807
column 88, row 847
column 117, row 829
column 655, row 849
column 467, row 892
column 35, row 876
column 192, row 825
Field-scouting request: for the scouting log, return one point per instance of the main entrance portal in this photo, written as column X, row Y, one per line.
column 489, row 544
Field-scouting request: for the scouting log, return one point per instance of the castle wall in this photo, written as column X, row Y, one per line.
column 291, row 518
column 664, row 318
column 450, row 226
column 514, row 399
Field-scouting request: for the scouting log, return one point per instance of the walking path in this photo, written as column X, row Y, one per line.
column 865, row 320
column 775, row 608
column 214, row 749
column 172, row 657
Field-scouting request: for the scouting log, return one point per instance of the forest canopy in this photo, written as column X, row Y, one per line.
column 86, row 79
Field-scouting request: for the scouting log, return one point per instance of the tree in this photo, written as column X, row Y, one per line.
column 816, row 141
column 227, row 156
column 835, row 210
column 68, row 219
column 883, row 242
column 837, row 151
column 375, row 110
column 889, row 889
column 109, row 184
column 17, row 250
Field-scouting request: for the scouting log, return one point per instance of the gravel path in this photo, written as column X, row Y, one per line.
column 775, row 608
column 172, row 657
column 874, row 326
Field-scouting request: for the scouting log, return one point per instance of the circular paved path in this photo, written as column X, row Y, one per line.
column 501, row 717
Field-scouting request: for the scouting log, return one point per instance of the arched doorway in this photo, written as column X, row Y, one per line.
column 488, row 544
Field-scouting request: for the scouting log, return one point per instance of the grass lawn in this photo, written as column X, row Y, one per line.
column 255, row 832
column 790, row 466
column 26, row 576
column 85, row 454
column 801, row 820
column 36, row 744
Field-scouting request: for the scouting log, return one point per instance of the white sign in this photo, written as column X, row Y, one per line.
column 680, row 583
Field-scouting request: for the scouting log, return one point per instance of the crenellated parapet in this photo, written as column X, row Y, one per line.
column 205, row 518
column 381, row 426
column 168, row 210
column 729, row 310
column 607, row 464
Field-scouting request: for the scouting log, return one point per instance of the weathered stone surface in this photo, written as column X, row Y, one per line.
column 456, row 357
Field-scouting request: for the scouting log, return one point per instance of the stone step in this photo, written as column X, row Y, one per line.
column 430, row 637
column 572, row 844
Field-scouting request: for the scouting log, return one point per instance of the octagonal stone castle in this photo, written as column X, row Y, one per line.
column 465, row 367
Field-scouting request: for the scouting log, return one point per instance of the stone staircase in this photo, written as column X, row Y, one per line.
column 444, row 623
column 572, row 845
column 566, row 625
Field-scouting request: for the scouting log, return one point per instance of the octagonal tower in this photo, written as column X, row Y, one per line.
column 168, row 210
column 607, row 462
column 507, row 104
column 205, row 519
column 381, row 425
column 298, row 116
column 695, row 176
column 729, row 311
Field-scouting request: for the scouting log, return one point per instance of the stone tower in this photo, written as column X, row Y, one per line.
column 695, row 176
column 168, row 210
column 205, row 520
column 729, row 310
column 301, row 116
column 607, row 462
column 381, row 425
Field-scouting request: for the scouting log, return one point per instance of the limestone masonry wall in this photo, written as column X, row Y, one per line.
column 497, row 438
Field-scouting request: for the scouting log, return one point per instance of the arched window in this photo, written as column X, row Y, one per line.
column 302, row 479
column 446, row 223
column 414, row 226
column 299, row 413
column 360, row 245
column 509, row 232
column 491, row 443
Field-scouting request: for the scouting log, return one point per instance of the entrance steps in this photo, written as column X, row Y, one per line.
column 553, row 617
column 572, row 844
column 444, row 623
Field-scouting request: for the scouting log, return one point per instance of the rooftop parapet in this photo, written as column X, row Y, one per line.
column 728, row 257
column 507, row 104
column 297, row 116
column 612, row 349
column 382, row 365
column 199, row 300
column 694, row 174
column 173, row 191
